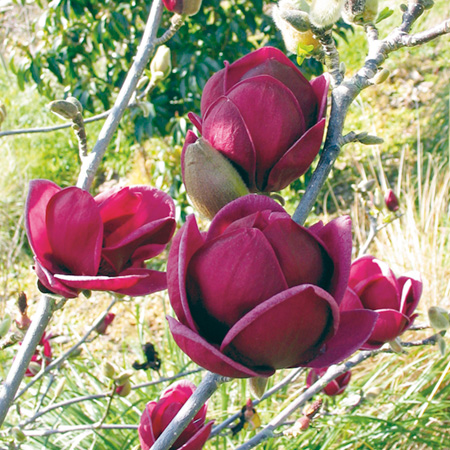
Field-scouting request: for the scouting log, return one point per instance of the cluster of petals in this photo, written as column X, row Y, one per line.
column 334, row 387
column 265, row 117
column 100, row 243
column 258, row 292
column 373, row 286
column 157, row 415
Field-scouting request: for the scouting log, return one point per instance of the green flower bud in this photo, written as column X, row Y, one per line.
column 124, row 376
column 211, row 180
column 441, row 345
column 18, row 434
column 161, row 64
column 381, row 76
column 258, row 386
column 366, row 185
column 63, row 109
column 439, row 318
column 108, row 370
column 360, row 12
column 124, row 389
column 396, row 346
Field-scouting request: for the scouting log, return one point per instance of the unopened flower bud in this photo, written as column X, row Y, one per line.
column 295, row 26
column 5, row 324
column 377, row 200
column 124, row 376
column 18, row 434
column 439, row 318
column 183, row 7
column 258, row 386
column 211, row 180
column 63, row 109
column 108, row 370
column 396, row 346
column 391, row 201
column 325, row 13
column 381, row 76
column 105, row 323
column 124, row 389
column 360, row 11
column 366, row 185
column 161, row 64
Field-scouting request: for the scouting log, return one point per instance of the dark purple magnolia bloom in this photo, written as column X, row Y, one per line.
column 373, row 286
column 391, row 201
column 98, row 243
column 259, row 292
column 265, row 117
column 186, row 7
column 335, row 387
column 157, row 415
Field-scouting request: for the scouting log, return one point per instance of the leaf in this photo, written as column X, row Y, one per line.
column 384, row 14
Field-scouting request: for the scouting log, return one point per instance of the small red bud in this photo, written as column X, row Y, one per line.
column 391, row 201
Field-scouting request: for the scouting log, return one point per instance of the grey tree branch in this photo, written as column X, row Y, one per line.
column 20, row 363
column 344, row 94
column 206, row 388
column 74, row 428
column 58, row 361
column 145, row 50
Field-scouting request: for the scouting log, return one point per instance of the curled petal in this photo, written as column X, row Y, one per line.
column 207, row 355
column 410, row 296
column 146, row 436
column 52, row 284
column 320, row 86
column 355, row 327
column 350, row 301
column 390, row 324
column 296, row 161
column 284, row 331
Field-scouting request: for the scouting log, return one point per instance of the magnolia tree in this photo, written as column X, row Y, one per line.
column 258, row 291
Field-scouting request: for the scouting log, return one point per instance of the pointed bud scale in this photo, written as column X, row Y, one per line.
column 439, row 318
column 161, row 64
column 441, row 345
column 211, row 180
column 108, row 370
column 360, row 12
column 124, row 389
column 391, row 201
column 396, row 346
column 5, row 324
column 366, row 185
column 258, row 386
column 124, row 376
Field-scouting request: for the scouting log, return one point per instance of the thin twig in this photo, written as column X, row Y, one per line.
column 177, row 22
column 145, row 50
column 206, row 388
column 344, row 94
column 24, row 354
column 285, row 381
column 92, row 397
column 67, row 353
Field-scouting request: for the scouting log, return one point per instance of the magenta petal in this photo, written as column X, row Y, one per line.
column 379, row 292
column 184, row 245
column 229, row 276
column 296, row 161
column 75, row 231
column 364, row 268
column 350, row 301
column 390, row 324
column 337, row 239
column 410, row 298
column 320, row 86
column 214, row 88
column 272, row 117
column 197, row 121
column 239, row 208
column 100, row 283
column 198, row 440
column 208, row 356
column 145, row 430
column 149, row 281
column 293, row 245
column 225, row 129
column 284, row 331
column 39, row 194
column 52, row 284
column 354, row 329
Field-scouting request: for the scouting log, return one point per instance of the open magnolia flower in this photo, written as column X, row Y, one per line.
column 259, row 292
column 157, row 415
column 373, row 286
column 264, row 116
column 99, row 243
